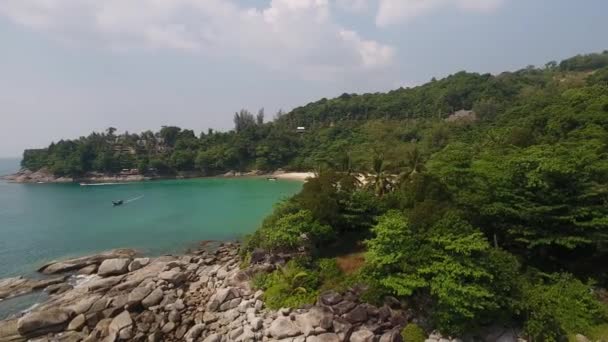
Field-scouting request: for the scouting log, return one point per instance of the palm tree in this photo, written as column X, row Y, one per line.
column 379, row 181
column 413, row 164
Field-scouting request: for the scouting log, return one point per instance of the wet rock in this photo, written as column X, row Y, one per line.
column 17, row 286
column 58, row 288
column 43, row 322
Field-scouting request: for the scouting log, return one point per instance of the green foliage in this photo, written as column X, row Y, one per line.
column 286, row 231
column 413, row 333
column 452, row 262
column 558, row 306
column 290, row 286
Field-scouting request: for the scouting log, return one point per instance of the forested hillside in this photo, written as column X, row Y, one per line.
column 363, row 126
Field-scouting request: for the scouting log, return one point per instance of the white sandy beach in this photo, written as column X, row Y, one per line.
column 300, row 176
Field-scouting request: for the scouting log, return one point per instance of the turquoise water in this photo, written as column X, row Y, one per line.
column 42, row 222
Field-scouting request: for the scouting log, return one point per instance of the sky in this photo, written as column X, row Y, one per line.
column 69, row 67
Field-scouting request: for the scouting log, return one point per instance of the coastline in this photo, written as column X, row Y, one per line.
column 201, row 295
column 44, row 177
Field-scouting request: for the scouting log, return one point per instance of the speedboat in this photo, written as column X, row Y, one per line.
column 117, row 203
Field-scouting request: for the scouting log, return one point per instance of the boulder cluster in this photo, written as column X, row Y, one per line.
column 203, row 296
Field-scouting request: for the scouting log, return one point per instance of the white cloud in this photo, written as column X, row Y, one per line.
column 295, row 35
column 394, row 11
column 353, row 5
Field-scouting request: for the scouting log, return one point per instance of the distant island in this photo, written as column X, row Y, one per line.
column 473, row 206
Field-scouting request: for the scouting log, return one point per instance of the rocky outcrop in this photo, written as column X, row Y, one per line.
column 202, row 296
column 85, row 262
column 17, row 286
column 43, row 322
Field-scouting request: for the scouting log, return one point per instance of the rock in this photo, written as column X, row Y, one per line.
column 362, row 336
column 138, row 263
column 236, row 333
column 256, row 323
column 17, row 286
column 174, row 276
column 87, row 270
column 84, row 304
column 327, row 337
column 112, row 267
column 213, row 338
column 153, row 298
column 392, row 302
column 168, row 327
column 79, row 263
column 357, row 315
column 194, row 332
column 208, row 317
column 77, row 323
column 283, row 327
column 104, row 283
column 258, row 255
column 43, row 322
column 315, row 317
column 137, row 295
column 344, row 307
column 331, row 298
column 391, row 336
column 58, row 288
column 120, row 322
column 174, row 316
column 154, row 337
column 581, row 338
column 342, row 328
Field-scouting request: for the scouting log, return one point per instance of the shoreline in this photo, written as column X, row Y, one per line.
column 43, row 177
column 202, row 295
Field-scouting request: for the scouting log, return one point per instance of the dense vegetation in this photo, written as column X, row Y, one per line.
column 475, row 198
column 498, row 218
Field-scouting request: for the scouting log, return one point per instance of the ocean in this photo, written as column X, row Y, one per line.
column 44, row 222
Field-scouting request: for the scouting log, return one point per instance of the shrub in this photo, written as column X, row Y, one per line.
column 558, row 306
column 413, row 333
column 290, row 286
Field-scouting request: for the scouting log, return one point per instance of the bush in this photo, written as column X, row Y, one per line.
column 558, row 306
column 413, row 333
column 290, row 286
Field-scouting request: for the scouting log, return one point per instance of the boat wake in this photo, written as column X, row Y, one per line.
column 134, row 199
column 101, row 184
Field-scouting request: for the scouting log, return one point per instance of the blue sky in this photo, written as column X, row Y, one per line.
column 68, row 67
